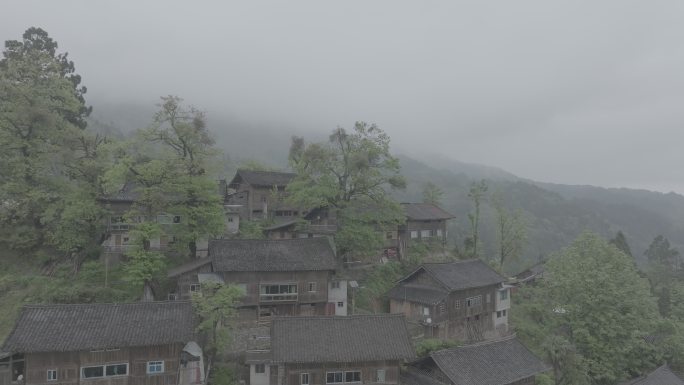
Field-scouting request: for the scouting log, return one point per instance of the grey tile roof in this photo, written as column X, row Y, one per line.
column 355, row 338
column 187, row 267
column 303, row 254
column 128, row 192
column 425, row 212
column 417, row 293
column 61, row 328
column 661, row 376
column 413, row 376
column 264, row 178
column 463, row 274
column 491, row 363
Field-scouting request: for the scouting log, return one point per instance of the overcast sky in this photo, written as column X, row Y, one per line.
column 579, row 92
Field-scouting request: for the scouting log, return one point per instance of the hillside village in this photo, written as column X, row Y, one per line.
column 167, row 273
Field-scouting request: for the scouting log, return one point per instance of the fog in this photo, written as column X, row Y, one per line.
column 578, row 92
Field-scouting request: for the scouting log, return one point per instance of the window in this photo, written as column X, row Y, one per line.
column 111, row 370
column 343, row 377
column 442, row 308
column 414, row 234
column 390, row 235
column 425, row 233
column 426, row 311
column 477, row 317
column 335, row 284
column 457, row 304
column 503, row 295
column 334, row 377
column 285, row 292
column 488, row 298
column 172, row 297
column 354, row 376
column 154, row 367
column 52, row 375
column 340, row 304
column 474, row 301
column 380, row 375
column 304, row 379
column 312, row 286
column 195, row 288
column 176, row 219
column 498, row 314
column 230, row 219
column 260, row 368
column 439, row 232
column 504, row 313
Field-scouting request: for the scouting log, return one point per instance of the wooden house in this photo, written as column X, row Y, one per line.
column 261, row 194
column 425, row 222
column 360, row 349
column 149, row 343
column 502, row 362
column 279, row 277
column 463, row 300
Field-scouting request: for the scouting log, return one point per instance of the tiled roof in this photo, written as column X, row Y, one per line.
column 413, row 376
column 62, row 328
column 265, row 178
column 492, row 363
column 340, row 339
column 417, row 293
column 187, row 267
column 425, row 212
column 661, row 376
column 464, row 274
column 303, row 254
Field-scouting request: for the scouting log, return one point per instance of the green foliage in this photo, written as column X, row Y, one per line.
column 620, row 241
column 427, row 346
column 590, row 314
column 215, row 308
column 223, row 375
column 379, row 280
column 511, row 232
column 664, row 266
column 144, row 265
column 251, row 230
column 478, row 195
column 349, row 174
column 46, row 152
column 432, row 194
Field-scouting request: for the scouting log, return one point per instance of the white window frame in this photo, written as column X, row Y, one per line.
column 343, row 374
column 256, row 366
column 503, row 295
column 426, row 311
column 425, row 233
column 303, row 376
column 340, row 304
column 104, row 370
column 151, row 364
column 380, row 376
column 439, row 232
column 195, row 288
column 414, row 234
column 335, row 284
column 280, row 296
column 52, row 374
column 312, row 287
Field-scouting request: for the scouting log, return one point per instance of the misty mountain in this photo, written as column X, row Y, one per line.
column 556, row 214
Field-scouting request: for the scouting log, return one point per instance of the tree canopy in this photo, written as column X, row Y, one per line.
column 350, row 175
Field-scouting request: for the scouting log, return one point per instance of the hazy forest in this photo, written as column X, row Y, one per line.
column 612, row 252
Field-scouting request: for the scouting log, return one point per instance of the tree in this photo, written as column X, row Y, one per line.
column 620, row 241
column 168, row 163
column 42, row 121
column 511, row 232
column 478, row 195
column 590, row 314
column 350, row 174
column 432, row 194
column 215, row 308
column 144, row 265
column 664, row 264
